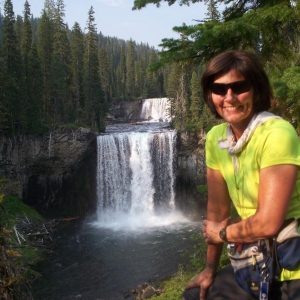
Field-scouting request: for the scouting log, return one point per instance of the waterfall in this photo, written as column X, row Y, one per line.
column 136, row 176
column 156, row 109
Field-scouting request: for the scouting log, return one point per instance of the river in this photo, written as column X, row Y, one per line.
column 101, row 264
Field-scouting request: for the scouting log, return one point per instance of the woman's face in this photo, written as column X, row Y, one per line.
column 236, row 106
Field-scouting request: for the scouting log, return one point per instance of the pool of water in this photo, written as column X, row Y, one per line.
column 93, row 263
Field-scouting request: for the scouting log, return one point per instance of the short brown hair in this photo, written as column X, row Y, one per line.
column 246, row 64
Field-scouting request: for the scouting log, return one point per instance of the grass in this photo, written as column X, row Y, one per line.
column 14, row 209
column 174, row 287
column 18, row 256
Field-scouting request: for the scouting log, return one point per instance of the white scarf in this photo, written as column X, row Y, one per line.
column 233, row 147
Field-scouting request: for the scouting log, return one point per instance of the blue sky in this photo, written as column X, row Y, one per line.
column 115, row 17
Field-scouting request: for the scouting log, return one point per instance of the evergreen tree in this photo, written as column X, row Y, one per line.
column 45, row 49
column 212, row 10
column 35, row 82
column 49, row 8
column 60, row 64
column 121, row 74
column 1, row 28
column 12, row 71
column 104, row 74
column 26, row 31
column 94, row 102
column 77, row 53
column 196, row 103
column 173, row 93
column 152, row 78
column 26, row 41
column 18, row 25
column 130, row 71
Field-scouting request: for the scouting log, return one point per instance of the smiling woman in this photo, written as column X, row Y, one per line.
column 253, row 161
column 236, row 105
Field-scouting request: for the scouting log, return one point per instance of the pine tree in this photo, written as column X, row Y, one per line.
column 12, row 71
column 60, row 67
column 152, row 78
column 104, row 74
column 49, row 8
column 77, row 53
column 130, row 71
column 212, row 10
column 45, row 49
column 121, row 74
column 196, row 103
column 18, row 25
column 173, row 92
column 35, row 103
column 26, row 42
column 94, row 105
column 26, row 31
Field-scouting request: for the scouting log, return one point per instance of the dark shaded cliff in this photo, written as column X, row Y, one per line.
column 56, row 173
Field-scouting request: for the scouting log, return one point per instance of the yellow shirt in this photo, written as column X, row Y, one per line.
column 274, row 142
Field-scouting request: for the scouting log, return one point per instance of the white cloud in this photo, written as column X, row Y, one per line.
column 113, row 2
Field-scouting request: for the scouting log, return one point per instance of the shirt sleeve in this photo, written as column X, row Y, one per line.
column 281, row 146
column 211, row 145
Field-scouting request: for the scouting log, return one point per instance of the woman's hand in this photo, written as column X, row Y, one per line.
column 204, row 280
column 211, row 230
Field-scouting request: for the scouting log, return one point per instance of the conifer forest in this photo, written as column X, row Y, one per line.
column 55, row 75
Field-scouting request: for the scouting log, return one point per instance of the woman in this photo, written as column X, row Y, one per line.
column 253, row 160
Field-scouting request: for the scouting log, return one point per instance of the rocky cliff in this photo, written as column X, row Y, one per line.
column 190, row 172
column 55, row 172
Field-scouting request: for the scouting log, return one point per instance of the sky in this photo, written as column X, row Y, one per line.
column 115, row 18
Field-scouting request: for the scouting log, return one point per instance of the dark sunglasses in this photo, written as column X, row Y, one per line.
column 237, row 87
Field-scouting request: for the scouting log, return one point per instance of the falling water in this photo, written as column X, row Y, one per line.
column 136, row 176
column 156, row 109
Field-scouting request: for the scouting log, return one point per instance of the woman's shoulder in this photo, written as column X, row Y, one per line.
column 218, row 130
column 279, row 125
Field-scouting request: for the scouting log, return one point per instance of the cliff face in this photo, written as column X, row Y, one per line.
column 125, row 112
column 190, row 171
column 56, row 172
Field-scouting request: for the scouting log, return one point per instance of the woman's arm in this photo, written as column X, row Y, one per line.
column 218, row 210
column 276, row 185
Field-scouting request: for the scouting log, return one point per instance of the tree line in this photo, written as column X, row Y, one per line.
column 52, row 75
column 271, row 29
column 55, row 76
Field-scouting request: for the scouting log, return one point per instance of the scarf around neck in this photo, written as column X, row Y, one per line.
column 235, row 147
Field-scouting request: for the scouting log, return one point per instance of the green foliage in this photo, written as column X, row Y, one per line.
column 17, row 260
column 287, row 93
column 13, row 208
column 174, row 287
column 138, row 4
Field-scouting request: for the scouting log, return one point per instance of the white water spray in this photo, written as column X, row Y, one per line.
column 135, row 180
column 156, row 109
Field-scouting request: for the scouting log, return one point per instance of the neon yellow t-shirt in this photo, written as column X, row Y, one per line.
column 274, row 142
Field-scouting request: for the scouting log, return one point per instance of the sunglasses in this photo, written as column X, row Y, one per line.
column 237, row 87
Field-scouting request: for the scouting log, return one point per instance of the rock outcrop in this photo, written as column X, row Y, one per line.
column 125, row 112
column 56, row 172
column 190, row 172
